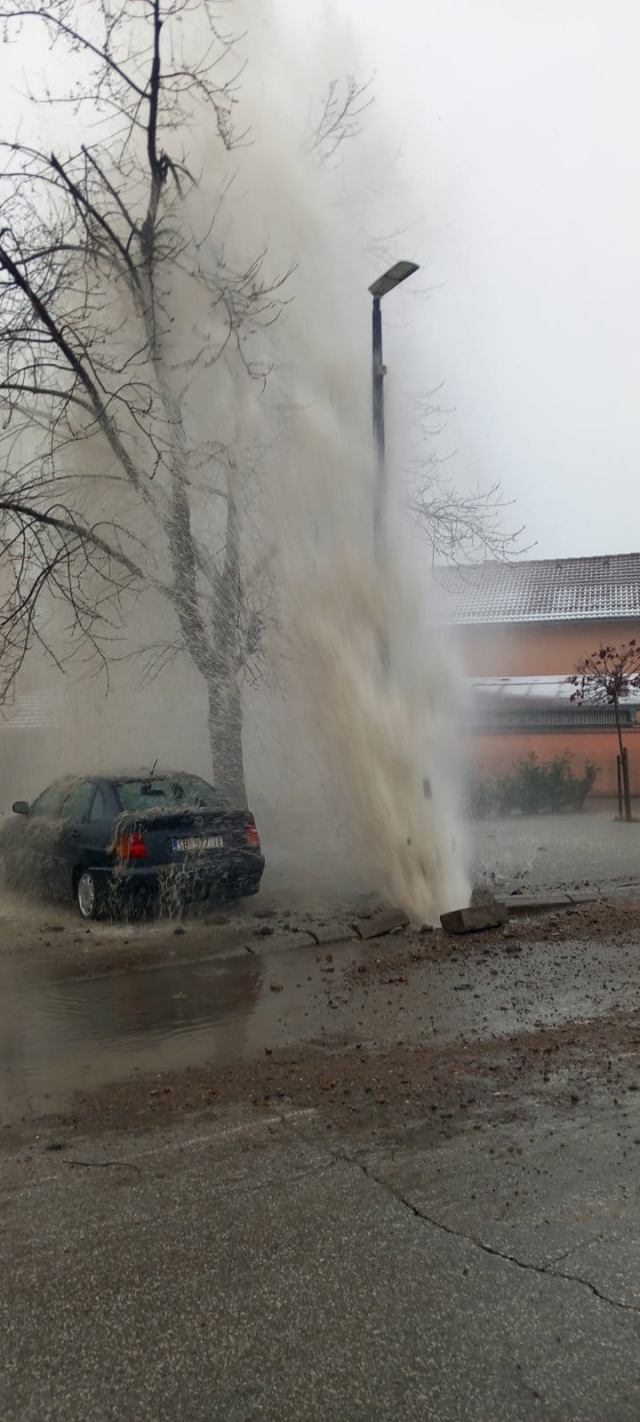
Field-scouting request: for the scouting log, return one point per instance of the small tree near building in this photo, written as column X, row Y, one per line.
column 608, row 677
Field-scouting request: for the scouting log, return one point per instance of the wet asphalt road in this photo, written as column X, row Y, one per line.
column 266, row 1272
column 549, row 851
column 60, row 1035
column 259, row 1271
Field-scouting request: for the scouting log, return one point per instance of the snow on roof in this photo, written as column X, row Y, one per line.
column 543, row 590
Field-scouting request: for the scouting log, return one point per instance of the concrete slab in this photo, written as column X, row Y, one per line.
column 473, row 920
column 536, row 903
column 324, row 935
column 388, row 921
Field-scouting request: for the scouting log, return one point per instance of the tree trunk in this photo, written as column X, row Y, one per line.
column 624, row 765
column 225, row 734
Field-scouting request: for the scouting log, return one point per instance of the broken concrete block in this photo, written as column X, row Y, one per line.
column 387, row 921
column 482, row 897
column 472, row 920
column 325, row 934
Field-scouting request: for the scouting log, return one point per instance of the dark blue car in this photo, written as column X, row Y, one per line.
column 123, row 840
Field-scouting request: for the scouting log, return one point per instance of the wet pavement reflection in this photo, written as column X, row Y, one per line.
column 61, row 1036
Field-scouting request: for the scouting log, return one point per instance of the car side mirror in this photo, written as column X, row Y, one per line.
column 20, row 807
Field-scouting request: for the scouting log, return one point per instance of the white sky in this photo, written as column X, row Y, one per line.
column 520, row 129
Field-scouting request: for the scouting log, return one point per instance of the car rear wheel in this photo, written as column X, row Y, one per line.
column 88, row 895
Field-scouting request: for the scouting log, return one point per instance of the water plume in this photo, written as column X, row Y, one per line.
column 386, row 741
column 267, row 418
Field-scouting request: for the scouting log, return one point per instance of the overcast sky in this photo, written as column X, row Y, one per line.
column 520, row 129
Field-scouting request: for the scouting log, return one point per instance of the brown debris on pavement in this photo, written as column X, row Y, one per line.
column 603, row 920
column 384, row 1088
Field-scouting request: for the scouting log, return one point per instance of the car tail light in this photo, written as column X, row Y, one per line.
column 131, row 846
column 251, row 837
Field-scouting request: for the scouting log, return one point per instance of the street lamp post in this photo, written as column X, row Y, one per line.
column 387, row 282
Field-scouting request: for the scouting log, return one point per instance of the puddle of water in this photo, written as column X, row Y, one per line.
column 58, row 1037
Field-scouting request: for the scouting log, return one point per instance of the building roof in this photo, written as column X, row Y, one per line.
column 543, row 590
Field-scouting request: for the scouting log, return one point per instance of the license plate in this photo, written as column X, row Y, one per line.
column 190, row 846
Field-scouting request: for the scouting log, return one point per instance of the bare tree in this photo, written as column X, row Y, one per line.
column 46, row 552
column 607, row 677
column 338, row 118
column 119, row 301
column 99, row 247
column 461, row 526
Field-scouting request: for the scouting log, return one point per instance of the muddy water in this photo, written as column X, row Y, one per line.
column 58, row 1035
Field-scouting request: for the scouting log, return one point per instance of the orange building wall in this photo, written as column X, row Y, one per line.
column 545, row 650
column 495, row 753
column 536, row 650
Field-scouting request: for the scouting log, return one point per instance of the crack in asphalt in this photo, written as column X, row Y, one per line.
column 547, row 1270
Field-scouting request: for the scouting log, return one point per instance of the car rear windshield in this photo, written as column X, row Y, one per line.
column 186, row 792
